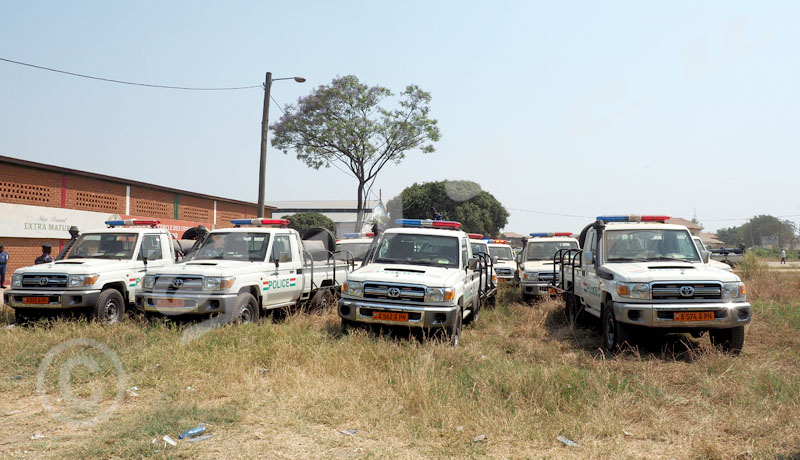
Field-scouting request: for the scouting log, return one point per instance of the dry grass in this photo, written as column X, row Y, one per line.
column 521, row 377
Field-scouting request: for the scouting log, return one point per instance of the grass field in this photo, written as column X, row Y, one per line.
column 521, row 378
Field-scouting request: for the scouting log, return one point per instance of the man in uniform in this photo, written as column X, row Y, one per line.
column 3, row 262
column 45, row 257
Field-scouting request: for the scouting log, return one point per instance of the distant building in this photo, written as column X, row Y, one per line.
column 694, row 229
column 341, row 212
column 514, row 239
column 710, row 240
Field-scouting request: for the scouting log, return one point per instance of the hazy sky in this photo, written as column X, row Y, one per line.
column 578, row 108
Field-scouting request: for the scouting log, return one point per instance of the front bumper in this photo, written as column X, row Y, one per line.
column 55, row 299
column 418, row 315
column 187, row 304
column 539, row 288
column 726, row 315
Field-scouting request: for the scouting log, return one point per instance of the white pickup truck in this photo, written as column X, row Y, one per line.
column 100, row 270
column 505, row 264
column 420, row 275
column 536, row 269
column 711, row 262
column 354, row 246
column 637, row 271
column 241, row 273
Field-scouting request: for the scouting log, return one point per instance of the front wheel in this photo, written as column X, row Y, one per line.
column 24, row 316
column 614, row 333
column 728, row 340
column 454, row 331
column 246, row 308
column 110, row 307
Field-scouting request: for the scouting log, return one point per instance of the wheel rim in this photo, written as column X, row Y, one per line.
column 111, row 311
column 457, row 328
column 610, row 331
column 245, row 315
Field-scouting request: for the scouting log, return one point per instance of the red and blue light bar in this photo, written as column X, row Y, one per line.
column 633, row 218
column 132, row 222
column 491, row 241
column 428, row 223
column 542, row 235
column 359, row 235
column 281, row 222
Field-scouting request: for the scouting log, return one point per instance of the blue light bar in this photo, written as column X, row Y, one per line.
column 614, row 218
column 115, row 223
column 537, row 235
column 352, row 235
column 428, row 223
column 242, row 221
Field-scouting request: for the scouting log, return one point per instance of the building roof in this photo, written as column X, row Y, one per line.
column 77, row 172
column 686, row 223
column 509, row 235
column 710, row 238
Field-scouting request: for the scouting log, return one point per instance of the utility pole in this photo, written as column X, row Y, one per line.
column 262, row 168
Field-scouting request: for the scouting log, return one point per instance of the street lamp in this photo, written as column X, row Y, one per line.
column 262, row 170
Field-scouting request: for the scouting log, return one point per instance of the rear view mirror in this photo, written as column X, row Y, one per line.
column 705, row 255
column 473, row 263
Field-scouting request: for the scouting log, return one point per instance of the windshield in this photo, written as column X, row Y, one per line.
column 104, row 246
column 502, row 253
column 644, row 245
column 700, row 244
column 405, row 248
column 545, row 250
column 234, row 246
column 359, row 250
column 478, row 248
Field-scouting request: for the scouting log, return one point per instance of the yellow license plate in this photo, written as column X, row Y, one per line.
column 694, row 316
column 36, row 300
column 170, row 303
column 552, row 291
column 389, row 316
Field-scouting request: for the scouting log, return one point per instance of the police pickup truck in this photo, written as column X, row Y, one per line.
column 240, row 273
column 638, row 271
column 536, row 266
column 505, row 264
column 422, row 274
column 100, row 270
column 355, row 246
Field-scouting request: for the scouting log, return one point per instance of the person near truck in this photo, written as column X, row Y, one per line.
column 783, row 256
column 45, row 257
column 436, row 215
column 3, row 263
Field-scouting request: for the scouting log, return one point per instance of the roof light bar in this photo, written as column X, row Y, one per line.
column 132, row 222
column 542, row 235
column 428, row 223
column 359, row 235
column 497, row 241
column 475, row 236
column 633, row 218
column 281, row 222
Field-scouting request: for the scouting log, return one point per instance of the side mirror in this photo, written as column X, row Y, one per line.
column 494, row 260
column 277, row 263
column 588, row 257
column 472, row 264
column 705, row 255
column 519, row 258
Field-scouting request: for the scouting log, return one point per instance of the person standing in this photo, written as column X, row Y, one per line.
column 45, row 257
column 436, row 215
column 3, row 263
column 783, row 256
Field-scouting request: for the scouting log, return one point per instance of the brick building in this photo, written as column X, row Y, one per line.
column 39, row 202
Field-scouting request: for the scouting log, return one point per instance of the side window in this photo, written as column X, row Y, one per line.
column 590, row 244
column 281, row 249
column 151, row 248
column 464, row 253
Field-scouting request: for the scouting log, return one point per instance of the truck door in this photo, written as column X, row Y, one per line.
column 471, row 278
column 588, row 283
column 282, row 277
column 151, row 248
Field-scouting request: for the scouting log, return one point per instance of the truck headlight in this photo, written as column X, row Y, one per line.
column 16, row 280
column 218, row 283
column 149, row 281
column 439, row 294
column 353, row 288
column 530, row 275
column 82, row 280
column 734, row 292
column 634, row 290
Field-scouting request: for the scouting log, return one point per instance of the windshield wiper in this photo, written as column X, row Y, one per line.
column 625, row 259
column 387, row 261
column 670, row 259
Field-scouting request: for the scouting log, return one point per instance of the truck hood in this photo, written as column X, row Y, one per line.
column 81, row 266
column 410, row 274
column 506, row 264
column 645, row 272
column 210, row 268
column 538, row 266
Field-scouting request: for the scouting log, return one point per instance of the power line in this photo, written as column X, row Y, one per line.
column 550, row 213
column 277, row 104
column 123, row 82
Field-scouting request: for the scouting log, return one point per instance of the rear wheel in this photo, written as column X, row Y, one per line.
column 614, row 333
column 246, row 308
column 572, row 308
column 728, row 340
column 110, row 307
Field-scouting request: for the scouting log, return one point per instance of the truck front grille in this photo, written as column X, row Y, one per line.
column 503, row 271
column 172, row 283
column 546, row 276
column 687, row 291
column 385, row 291
column 44, row 281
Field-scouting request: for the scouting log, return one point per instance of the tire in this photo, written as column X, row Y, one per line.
column 571, row 309
column 348, row 325
column 492, row 302
column 322, row 301
column 246, row 308
column 110, row 307
column 614, row 333
column 454, row 331
column 527, row 298
column 728, row 340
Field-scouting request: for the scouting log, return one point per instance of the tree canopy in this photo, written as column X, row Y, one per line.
column 303, row 221
column 751, row 233
column 346, row 123
column 459, row 200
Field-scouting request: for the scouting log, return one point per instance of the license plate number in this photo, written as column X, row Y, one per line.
column 170, row 303
column 389, row 316
column 36, row 300
column 694, row 316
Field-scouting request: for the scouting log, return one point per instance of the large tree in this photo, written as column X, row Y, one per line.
column 751, row 232
column 347, row 122
column 459, row 200
column 303, row 221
